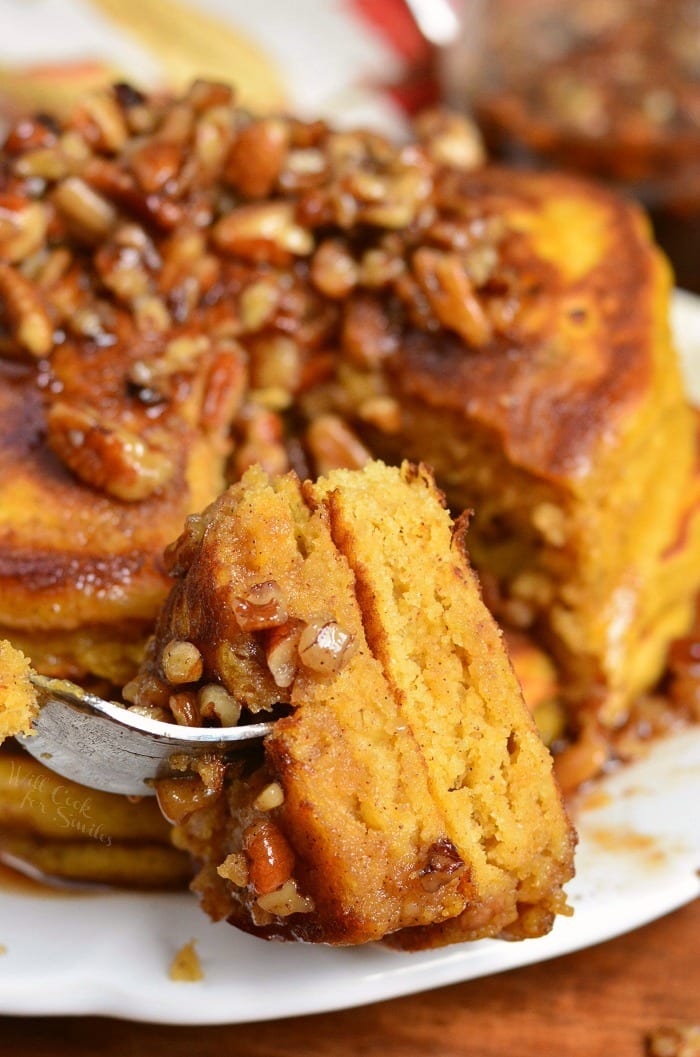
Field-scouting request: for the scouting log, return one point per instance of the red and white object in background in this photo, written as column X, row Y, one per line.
column 392, row 21
column 350, row 61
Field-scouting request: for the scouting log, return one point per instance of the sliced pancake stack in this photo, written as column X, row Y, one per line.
column 405, row 787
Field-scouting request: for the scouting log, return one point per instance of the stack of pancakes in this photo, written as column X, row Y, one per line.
column 508, row 329
column 51, row 827
column 187, row 291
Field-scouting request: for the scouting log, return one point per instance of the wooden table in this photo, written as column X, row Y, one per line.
column 597, row 1003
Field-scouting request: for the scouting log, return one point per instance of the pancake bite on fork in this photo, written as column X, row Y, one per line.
column 404, row 784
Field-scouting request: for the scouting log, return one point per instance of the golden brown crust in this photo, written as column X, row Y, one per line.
column 69, row 554
column 580, row 356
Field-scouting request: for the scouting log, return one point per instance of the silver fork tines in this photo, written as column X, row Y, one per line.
column 103, row 745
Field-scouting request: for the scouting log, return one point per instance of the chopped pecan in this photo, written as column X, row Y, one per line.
column 256, row 157
column 282, row 652
column 304, row 168
column 100, row 120
column 181, row 662
column 270, row 858
column 91, row 215
column 443, row 864
column 270, row 797
column 185, row 708
column 31, row 132
column 450, row 291
column 23, row 225
column 384, row 412
column 262, row 607
column 108, row 457
column 178, row 798
column 276, row 362
column 262, row 441
column 147, row 690
column 450, row 139
column 333, row 445
column 224, row 386
column 333, row 270
column 155, row 164
column 26, row 312
column 212, row 138
column 324, row 646
column 218, row 704
column 367, row 336
column 265, row 232
column 286, row 900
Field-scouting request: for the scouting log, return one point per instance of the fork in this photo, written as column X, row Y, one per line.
column 103, row 745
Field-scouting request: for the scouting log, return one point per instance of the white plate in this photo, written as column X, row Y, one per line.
column 638, row 858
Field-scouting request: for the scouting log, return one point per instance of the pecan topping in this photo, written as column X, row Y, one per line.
column 270, row 858
column 225, row 260
column 443, row 864
column 324, row 646
column 178, row 798
column 25, row 312
column 181, row 662
column 286, row 900
column 282, row 653
column 263, row 607
column 107, row 457
column 217, row 703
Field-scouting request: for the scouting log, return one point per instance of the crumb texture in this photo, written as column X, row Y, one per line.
column 186, row 966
